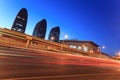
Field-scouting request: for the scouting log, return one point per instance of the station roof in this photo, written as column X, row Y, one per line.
column 80, row 41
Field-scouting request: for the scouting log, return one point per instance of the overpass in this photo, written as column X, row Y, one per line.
column 16, row 39
column 12, row 38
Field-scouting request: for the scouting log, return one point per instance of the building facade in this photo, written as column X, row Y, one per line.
column 85, row 46
column 54, row 34
column 20, row 21
column 40, row 29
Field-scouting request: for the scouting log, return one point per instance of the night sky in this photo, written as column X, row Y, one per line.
column 94, row 20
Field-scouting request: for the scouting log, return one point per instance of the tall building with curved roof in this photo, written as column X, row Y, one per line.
column 40, row 29
column 20, row 21
column 54, row 34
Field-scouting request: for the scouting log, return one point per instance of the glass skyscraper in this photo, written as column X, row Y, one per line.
column 20, row 21
column 54, row 34
column 40, row 29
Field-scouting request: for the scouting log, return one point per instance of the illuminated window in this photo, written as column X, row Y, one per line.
column 79, row 47
column 18, row 17
column 85, row 48
column 91, row 51
column 73, row 46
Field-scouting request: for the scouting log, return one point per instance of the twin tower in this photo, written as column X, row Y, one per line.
column 39, row 30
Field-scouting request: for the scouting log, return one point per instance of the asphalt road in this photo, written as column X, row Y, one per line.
column 24, row 64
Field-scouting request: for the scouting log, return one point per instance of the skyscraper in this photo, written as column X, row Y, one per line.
column 20, row 21
column 40, row 29
column 54, row 34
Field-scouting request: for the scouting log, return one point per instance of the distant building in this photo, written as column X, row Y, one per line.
column 85, row 46
column 40, row 29
column 54, row 34
column 20, row 21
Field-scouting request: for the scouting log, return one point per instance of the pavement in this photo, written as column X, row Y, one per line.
column 27, row 64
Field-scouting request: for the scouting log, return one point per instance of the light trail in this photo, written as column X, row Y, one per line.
column 62, row 76
column 85, row 60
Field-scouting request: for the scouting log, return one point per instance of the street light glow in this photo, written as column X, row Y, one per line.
column 66, row 36
column 52, row 38
column 118, row 53
column 103, row 47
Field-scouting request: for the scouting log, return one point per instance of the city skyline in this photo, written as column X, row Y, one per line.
column 97, row 21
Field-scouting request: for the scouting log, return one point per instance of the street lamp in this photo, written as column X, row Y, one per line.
column 66, row 36
column 118, row 53
column 52, row 38
column 103, row 47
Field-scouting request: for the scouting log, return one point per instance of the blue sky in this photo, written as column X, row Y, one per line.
column 94, row 20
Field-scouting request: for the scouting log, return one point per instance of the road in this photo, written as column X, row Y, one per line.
column 25, row 64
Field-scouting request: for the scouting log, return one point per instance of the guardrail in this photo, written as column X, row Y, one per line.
column 14, row 38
